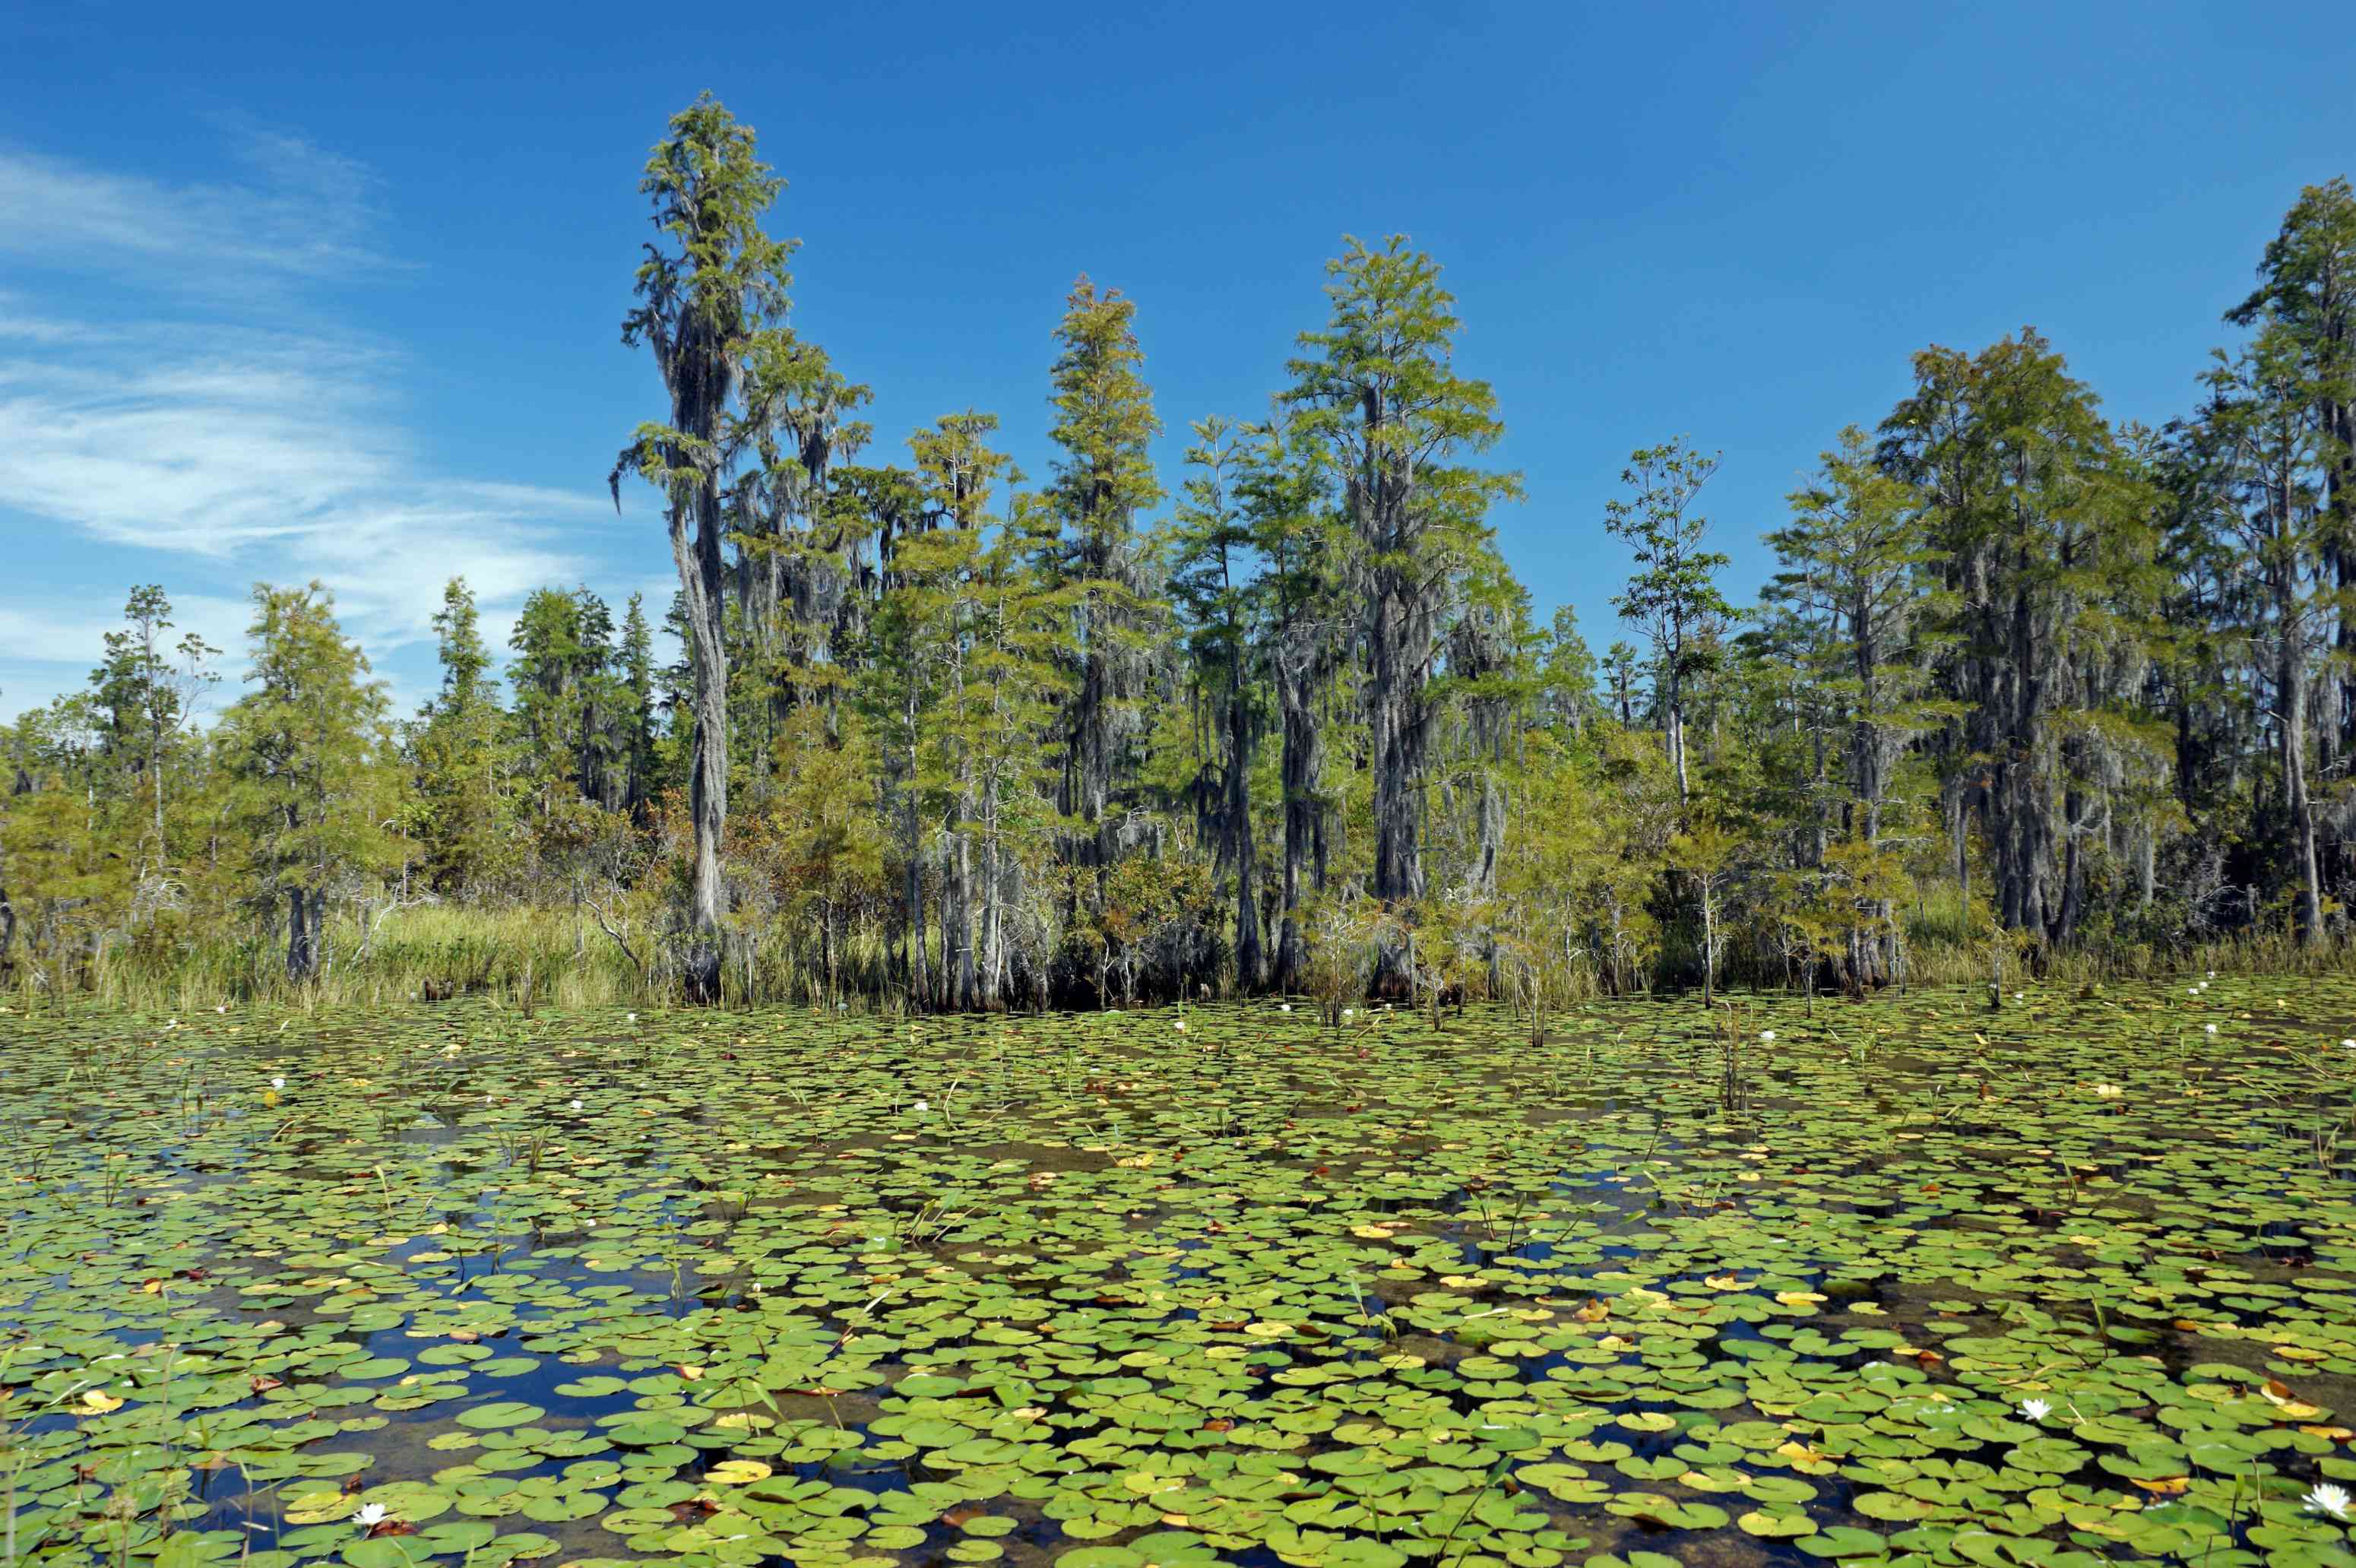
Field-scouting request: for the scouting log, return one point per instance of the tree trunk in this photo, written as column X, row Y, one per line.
column 2291, row 682
column 302, row 941
column 699, row 576
column 917, row 990
column 1298, row 769
column 993, row 971
column 1677, row 743
column 1251, row 964
column 1400, row 722
column 968, row 984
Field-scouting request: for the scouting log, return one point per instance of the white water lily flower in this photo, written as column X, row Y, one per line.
column 2349, row 1044
column 2107, row 1091
column 1767, row 1035
column 370, row 1516
column 922, row 1106
column 629, row 1017
column 277, row 1083
column 2328, row 1498
column 1180, row 1026
column 2209, row 1028
column 2212, row 974
column 1284, row 1006
column 221, row 1008
column 2036, row 1409
column 576, row 1105
column 2019, row 994
column 1349, row 1012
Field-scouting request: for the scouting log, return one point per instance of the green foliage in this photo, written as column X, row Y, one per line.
column 305, row 752
column 462, row 807
column 2026, row 687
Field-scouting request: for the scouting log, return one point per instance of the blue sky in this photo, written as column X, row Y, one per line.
column 297, row 292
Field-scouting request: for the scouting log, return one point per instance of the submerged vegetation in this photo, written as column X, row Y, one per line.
column 2030, row 689
column 2060, row 1281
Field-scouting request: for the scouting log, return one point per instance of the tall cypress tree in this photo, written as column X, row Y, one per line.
column 1104, row 479
column 712, row 294
column 2307, row 294
column 1383, row 395
column 1210, row 538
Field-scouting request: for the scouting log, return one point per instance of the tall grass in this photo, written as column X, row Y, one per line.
column 518, row 956
column 525, row 957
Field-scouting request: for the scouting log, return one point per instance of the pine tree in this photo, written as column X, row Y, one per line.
column 638, row 717
column 460, row 760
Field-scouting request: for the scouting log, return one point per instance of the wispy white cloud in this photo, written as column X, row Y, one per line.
column 300, row 211
column 204, row 443
column 250, row 455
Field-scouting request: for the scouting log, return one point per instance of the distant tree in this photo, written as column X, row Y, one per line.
column 1306, row 626
column 1673, row 596
column 1620, row 668
column 460, row 758
column 799, row 610
column 1567, row 671
column 1705, row 853
column 1857, row 572
column 307, row 748
column 63, row 884
column 549, row 674
column 1210, row 580
column 638, row 717
column 2270, row 444
column 151, row 693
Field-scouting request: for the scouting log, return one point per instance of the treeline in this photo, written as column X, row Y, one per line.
column 2028, row 686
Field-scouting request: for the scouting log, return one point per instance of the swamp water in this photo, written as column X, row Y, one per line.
column 2070, row 1280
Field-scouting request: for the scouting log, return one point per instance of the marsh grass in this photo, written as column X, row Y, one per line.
column 524, row 958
